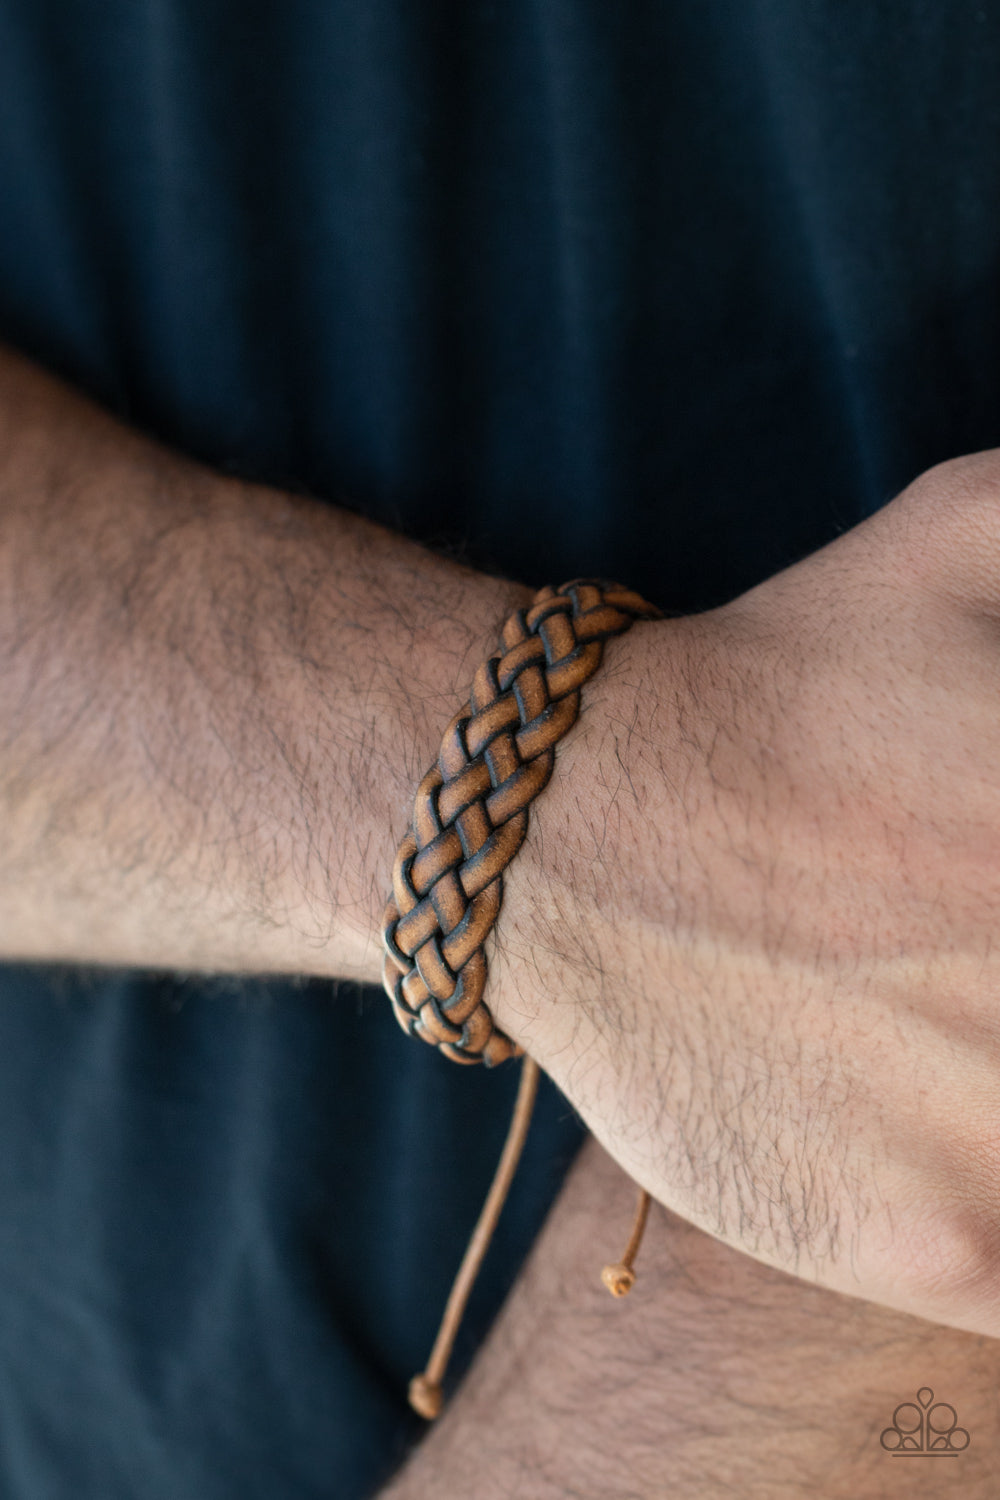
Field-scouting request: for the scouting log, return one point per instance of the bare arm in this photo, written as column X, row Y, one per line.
column 751, row 935
column 718, row 1377
column 213, row 713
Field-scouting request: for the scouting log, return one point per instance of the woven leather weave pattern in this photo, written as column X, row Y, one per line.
column 470, row 815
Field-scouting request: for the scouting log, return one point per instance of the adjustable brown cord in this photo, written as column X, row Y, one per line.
column 425, row 1389
column 620, row 1278
column 470, row 818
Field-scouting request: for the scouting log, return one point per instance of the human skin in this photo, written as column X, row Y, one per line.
column 753, row 936
column 750, row 931
column 217, row 700
column 718, row 1376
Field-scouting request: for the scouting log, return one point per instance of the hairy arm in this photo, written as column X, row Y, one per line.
column 717, row 1377
column 217, row 699
column 751, row 935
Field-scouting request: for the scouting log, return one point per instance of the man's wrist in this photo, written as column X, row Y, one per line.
column 571, row 912
column 214, row 709
column 429, row 651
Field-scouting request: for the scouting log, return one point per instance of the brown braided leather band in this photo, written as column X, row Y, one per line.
column 470, row 815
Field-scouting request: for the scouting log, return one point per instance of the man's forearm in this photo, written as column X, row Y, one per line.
column 718, row 1376
column 759, row 893
column 213, row 714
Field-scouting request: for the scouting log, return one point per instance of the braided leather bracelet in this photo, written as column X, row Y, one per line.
column 470, row 818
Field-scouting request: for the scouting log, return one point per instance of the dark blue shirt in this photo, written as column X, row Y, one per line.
column 677, row 292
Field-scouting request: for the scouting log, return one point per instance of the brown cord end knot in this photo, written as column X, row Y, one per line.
column 425, row 1397
column 619, row 1279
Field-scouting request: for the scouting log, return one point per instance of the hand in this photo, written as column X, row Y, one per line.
column 751, row 934
column 718, row 1376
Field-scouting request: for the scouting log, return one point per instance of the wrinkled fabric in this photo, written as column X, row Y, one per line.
column 679, row 292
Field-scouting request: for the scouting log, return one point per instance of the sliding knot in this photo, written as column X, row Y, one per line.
column 425, row 1397
column 619, row 1279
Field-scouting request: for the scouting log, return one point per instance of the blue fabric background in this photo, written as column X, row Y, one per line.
column 675, row 292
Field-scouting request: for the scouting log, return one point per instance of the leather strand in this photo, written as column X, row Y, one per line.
column 470, row 817
column 620, row 1277
column 470, row 814
column 425, row 1389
